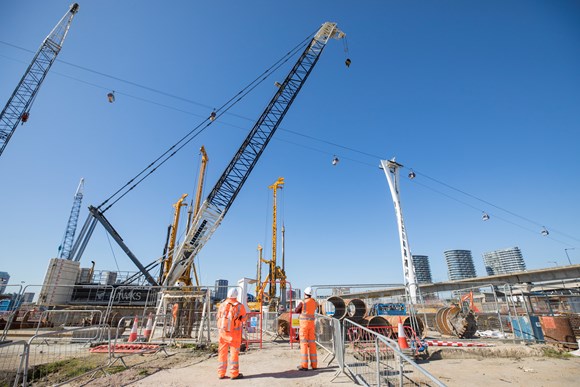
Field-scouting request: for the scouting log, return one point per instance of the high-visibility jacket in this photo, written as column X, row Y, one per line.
column 230, row 318
column 307, row 314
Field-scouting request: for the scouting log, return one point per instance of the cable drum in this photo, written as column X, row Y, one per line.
column 334, row 306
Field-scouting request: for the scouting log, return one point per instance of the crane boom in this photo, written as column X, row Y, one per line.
column 223, row 194
column 19, row 104
column 69, row 235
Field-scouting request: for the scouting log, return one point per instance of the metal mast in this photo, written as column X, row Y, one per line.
column 279, row 184
column 222, row 196
column 69, row 235
column 391, row 168
column 18, row 107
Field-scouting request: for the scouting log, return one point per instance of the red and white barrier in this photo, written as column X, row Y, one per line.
column 440, row 343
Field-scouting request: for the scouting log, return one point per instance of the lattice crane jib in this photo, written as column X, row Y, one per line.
column 222, row 196
column 18, row 107
column 69, row 235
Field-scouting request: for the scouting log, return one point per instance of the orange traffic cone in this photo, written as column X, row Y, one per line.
column 402, row 338
column 149, row 327
column 133, row 334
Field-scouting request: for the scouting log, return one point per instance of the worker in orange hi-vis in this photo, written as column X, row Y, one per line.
column 307, row 310
column 230, row 321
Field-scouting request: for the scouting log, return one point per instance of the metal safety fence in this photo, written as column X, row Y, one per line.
column 372, row 359
column 12, row 357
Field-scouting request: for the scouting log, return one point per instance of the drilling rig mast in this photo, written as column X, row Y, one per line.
column 17, row 110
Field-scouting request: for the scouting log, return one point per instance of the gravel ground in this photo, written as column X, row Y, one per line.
column 275, row 365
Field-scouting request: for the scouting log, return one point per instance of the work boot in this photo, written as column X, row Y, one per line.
column 221, row 377
column 300, row 368
column 239, row 376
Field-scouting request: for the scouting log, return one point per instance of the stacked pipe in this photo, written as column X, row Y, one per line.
column 356, row 310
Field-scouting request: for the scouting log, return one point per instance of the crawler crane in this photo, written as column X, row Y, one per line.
column 17, row 110
column 222, row 196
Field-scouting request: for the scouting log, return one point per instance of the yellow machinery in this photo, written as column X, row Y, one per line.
column 186, row 276
column 173, row 236
column 275, row 272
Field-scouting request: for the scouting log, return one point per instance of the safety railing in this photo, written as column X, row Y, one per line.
column 372, row 359
column 329, row 338
column 63, row 356
column 60, row 319
column 12, row 358
column 253, row 329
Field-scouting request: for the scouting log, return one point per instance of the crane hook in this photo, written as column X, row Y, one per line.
column 412, row 175
column 544, row 231
column 111, row 96
column 347, row 62
column 335, row 160
column 212, row 116
column 485, row 216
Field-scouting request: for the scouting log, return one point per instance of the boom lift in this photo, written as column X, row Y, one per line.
column 223, row 194
column 17, row 110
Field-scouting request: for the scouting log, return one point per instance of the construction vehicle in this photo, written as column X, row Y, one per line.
column 17, row 110
column 222, row 196
column 67, row 241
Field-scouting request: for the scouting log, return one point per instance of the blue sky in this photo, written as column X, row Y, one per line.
column 477, row 97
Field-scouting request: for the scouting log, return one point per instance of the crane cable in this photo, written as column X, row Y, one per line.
column 287, row 130
column 183, row 141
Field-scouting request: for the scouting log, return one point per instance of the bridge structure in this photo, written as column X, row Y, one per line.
column 563, row 277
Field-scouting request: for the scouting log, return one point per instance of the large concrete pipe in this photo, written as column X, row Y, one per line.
column 380, row 325
column 418, row 327
column 334, row 306
column 356, row 310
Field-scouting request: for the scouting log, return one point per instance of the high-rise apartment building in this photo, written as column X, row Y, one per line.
column 422, row 269
column 4, row 278
column 221, row 289
column 504, row 261
column 459, row 264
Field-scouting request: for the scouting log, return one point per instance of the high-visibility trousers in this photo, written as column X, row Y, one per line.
column 233, row 347
column 308, row 346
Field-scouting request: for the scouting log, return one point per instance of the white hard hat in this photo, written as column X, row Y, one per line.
column 233, row 293
column 308, row 291
column 180, row 284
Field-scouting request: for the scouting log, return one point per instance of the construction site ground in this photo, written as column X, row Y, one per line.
column 275, row 364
